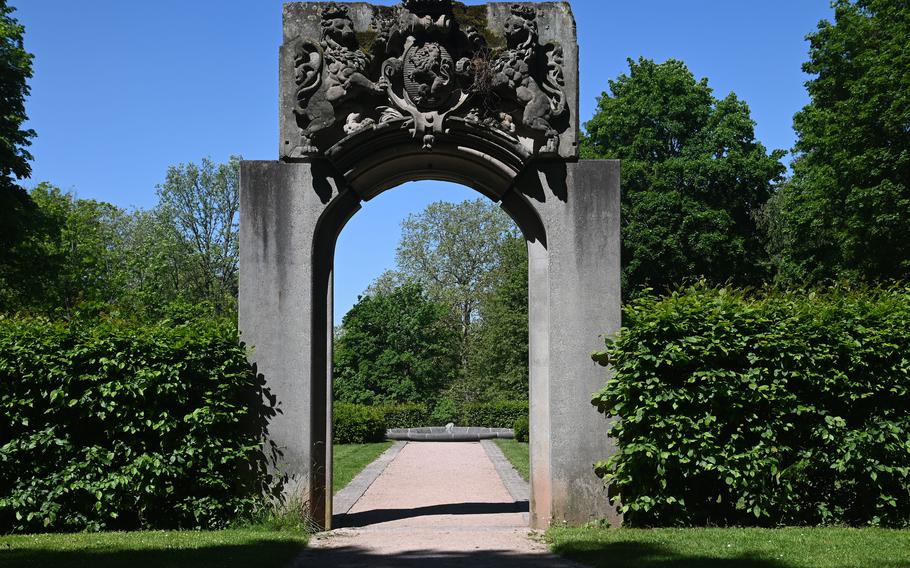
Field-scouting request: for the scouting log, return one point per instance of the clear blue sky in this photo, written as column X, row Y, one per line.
column 123, row 89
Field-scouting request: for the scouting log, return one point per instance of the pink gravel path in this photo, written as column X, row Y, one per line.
column 437, row 504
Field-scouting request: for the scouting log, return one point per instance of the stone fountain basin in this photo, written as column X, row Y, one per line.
column 449, row 434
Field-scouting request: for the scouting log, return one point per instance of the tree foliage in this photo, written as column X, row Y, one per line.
column 17, row 213
column 693, row 176
column 15, row 71
column 453, row 249
column 85, row 257
column 498, row 356
column 201, row 202
column 846, row 212
column 396, row 348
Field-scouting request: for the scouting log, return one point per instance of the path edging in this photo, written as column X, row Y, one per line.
column 517, row 487
column 345, row 499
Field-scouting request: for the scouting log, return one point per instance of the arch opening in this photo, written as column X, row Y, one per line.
column 338, row 214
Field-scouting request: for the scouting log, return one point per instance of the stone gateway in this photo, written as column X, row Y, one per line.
column 486, row 96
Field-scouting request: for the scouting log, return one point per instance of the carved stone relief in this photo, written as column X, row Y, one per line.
column 422, row 67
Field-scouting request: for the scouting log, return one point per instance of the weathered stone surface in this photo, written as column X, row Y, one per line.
column 293, row 211
column 435, row 69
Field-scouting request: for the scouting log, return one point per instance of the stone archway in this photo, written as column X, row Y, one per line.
column 485, row 96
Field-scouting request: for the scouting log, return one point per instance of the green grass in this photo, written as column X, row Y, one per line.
column 517, row 454
column 741, row 548
column 179, row 549
column 349, row 459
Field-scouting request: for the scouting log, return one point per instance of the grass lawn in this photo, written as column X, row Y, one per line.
column 219, row 549
column 349, row 459
column 741, row 548
column 517, row 453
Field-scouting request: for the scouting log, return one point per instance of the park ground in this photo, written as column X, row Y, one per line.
column 272, row 544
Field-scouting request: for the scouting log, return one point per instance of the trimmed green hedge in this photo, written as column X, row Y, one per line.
column 357, row 424
column 767, row 409
column 119, row 426
column 501, row 414
column 405, row 415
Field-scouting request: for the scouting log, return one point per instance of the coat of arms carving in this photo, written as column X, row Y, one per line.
column 427, row 66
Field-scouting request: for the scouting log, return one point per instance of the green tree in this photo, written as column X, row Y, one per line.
column 82, row 250
column 693, row 176
column 452, row 250
column 846, row 212
column 158, row 265
column 17, row 214
column 498, row 358
column 395, row 348
column 202, row 203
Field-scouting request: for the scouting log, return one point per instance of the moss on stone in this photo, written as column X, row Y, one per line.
column 365, row 40
column 476, row 17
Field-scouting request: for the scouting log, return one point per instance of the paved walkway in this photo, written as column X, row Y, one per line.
column 435, row 504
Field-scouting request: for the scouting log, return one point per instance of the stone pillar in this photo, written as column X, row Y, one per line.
column 579, row 206
column 284, row 285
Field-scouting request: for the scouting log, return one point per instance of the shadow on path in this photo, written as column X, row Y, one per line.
column 367, row 518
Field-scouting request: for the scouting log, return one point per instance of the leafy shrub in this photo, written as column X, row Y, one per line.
column 114, row 426
column 501, row 414
column 521, row 429
column 357, row 424
column 405, row 415
column 445, row 412
column 773, row 408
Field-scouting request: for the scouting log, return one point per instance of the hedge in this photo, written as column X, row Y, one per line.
column 761, row 409
column 501, row 414
column 357, row 424
column 361, row 424
column 119, row 426
column 405, row 415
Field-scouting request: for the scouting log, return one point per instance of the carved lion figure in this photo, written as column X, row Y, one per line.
column 516, row 75
column 328, row 74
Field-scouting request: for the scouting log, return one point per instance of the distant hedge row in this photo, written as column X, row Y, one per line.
column 358, row 424
column 116, row 426
column 768, row 409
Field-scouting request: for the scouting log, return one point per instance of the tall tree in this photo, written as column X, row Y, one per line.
column 80, row 252
column 498, row 357
column 395, row 347
column 846, row 212
column 202, row 203
column 452, row 249
column 17, row 212
column 693, row 176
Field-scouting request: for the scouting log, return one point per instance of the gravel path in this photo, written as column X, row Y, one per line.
column 439, row 503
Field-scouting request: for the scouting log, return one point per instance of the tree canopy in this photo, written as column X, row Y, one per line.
column 396, row 347
column 846, row 211
column 82, row 257
column 17, row 213
column 693, row 176
column 452, row 248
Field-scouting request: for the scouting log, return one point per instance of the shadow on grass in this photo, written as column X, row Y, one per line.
column 367, row 518
column 261, row 554
column 642, row 555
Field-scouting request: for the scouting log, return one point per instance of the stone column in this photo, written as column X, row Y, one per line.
column 284, row 284
column 579, row 206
